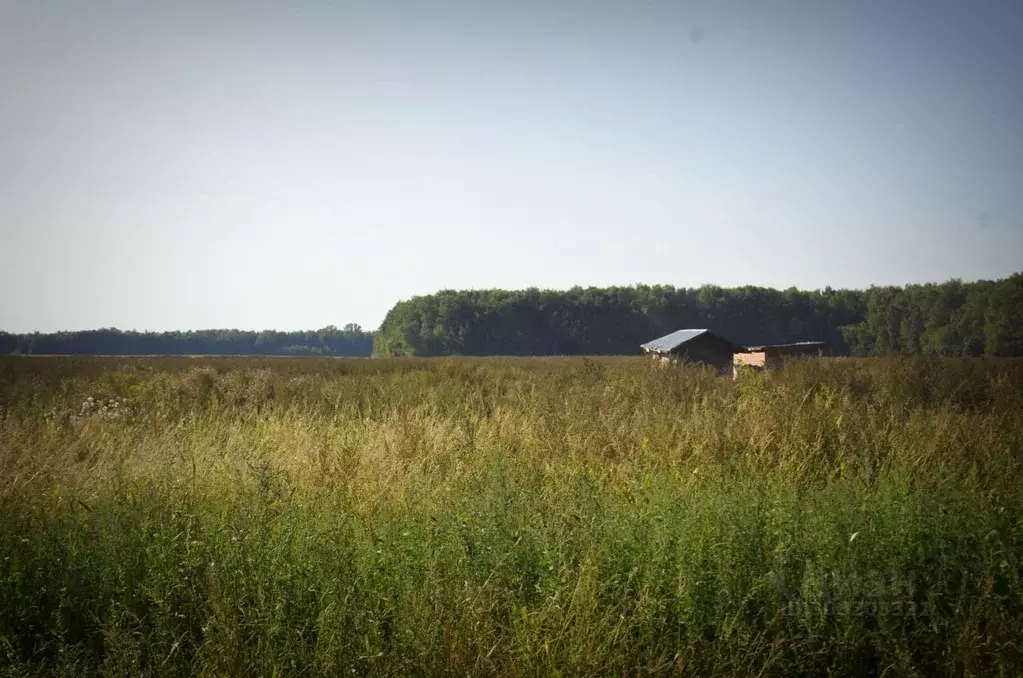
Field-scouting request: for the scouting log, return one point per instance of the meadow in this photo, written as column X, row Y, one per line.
column 509, row 516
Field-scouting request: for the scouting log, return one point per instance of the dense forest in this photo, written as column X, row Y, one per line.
column 952, row 318
column 352, row 340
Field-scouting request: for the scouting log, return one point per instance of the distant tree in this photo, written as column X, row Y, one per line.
column 353, row 341
column 1003, row 318
column 952, row 318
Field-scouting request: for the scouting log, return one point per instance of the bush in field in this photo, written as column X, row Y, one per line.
column 509, row 516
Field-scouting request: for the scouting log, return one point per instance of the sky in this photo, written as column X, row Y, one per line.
column 210, row 163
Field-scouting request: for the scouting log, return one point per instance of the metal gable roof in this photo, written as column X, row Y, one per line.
column 670, row 342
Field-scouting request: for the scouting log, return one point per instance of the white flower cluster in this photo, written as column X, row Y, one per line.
column 110, row 408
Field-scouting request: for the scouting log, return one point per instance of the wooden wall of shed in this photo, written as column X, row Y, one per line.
column 662, row 359
column 771, row 357
column 708, row 355
column 695, row 355
column 751, row 359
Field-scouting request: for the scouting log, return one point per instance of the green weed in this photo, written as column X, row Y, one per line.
column 250, row 516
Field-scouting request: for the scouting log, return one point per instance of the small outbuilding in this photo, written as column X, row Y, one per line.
column 693, row 346
column 760, row 357
column 708, row 348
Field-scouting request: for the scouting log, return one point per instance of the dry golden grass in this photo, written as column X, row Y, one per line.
column 494, row 516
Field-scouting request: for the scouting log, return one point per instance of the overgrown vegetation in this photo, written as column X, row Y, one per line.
column 555, row 516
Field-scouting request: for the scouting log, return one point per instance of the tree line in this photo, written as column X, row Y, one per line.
column 351, row 340
column 951, row 318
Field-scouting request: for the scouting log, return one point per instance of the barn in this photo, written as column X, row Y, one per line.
column 693, row 346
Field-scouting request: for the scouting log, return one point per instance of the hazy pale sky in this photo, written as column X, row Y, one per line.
column 194, row 163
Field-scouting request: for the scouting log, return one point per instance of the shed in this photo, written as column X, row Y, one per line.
column 693, row 346
column 771, row 355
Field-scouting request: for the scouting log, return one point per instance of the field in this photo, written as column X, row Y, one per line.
column 562, row 516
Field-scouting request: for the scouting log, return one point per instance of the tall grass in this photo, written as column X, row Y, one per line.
column 509, row 516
